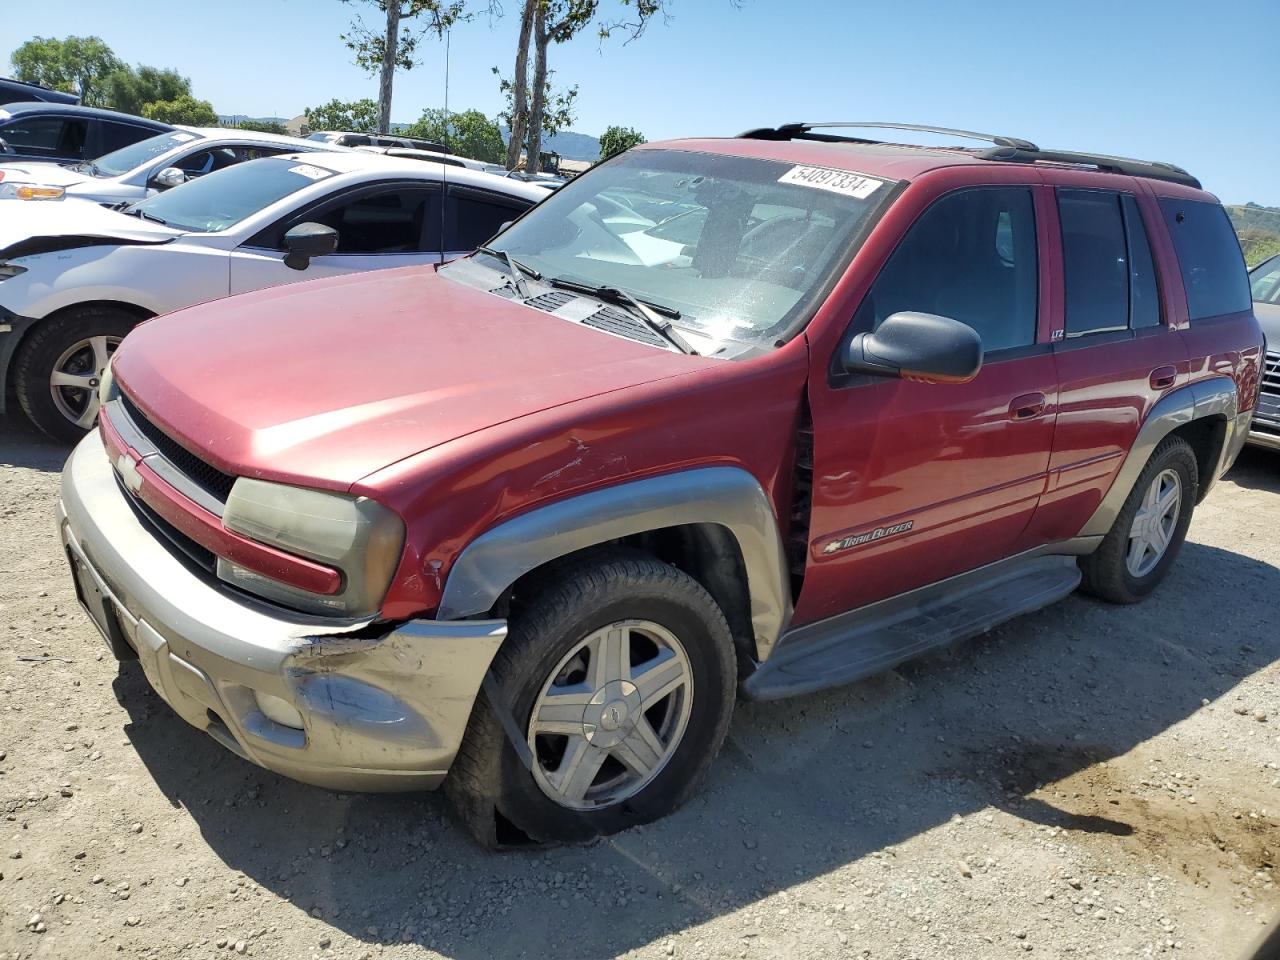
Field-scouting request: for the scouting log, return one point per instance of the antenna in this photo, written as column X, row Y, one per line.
column 444, row 177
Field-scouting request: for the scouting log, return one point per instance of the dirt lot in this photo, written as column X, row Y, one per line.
column 1090, row 781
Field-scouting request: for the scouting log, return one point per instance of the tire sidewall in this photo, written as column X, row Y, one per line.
column 711, row 662
column 1179, row 458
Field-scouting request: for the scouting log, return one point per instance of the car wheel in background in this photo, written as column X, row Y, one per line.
column 60, row 364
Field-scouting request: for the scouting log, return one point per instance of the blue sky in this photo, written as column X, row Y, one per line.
column 1192, row 83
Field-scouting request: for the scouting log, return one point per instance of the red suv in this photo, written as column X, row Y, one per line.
column 732, row 417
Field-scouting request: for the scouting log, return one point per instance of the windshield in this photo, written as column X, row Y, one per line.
column 1265, row 281
column 128, row 158
column 738, row 245
column 222, row 199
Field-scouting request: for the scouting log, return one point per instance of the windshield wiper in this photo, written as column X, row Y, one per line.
column 517, row 269
column 654, row 315
column 142, row 214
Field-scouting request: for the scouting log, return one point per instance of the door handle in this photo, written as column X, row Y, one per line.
column 1163, row 377
column 1026, row 407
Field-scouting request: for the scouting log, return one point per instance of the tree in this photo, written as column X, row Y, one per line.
column 185, row 110
column 389, row 47
column 358, row 117
column 74, row 65
column 616, row 140
column 261, row 126
column 468, row 134
column 558, row 106
column 129, row 90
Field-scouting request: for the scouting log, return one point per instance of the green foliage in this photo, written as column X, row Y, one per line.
column 556, row 115
column 468, row 134
column 369, row 45
column 185, row 110
column 358, row 117
column 75, row 65
column 260, row 126
column 129, row 90
column 1258, row 229
column 616, row 140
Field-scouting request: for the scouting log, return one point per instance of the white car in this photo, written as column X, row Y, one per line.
column 149, row 166
column 431, row 156
column 75, row 277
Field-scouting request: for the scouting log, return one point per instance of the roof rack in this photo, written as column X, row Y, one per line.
column 1005, row 149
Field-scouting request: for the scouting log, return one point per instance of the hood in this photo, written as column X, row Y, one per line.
column 1268, row 315
column 45, row 174
column 323, row 383
column 42, row 226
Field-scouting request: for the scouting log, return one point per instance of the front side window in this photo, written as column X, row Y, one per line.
column 761, row 238
column 972, row 257
column 54, row 137
column 1209, row 258
column 225, row 197
column 398, row 220
column 1264, row 281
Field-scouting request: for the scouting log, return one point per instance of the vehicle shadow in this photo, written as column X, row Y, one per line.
column 25, row 446
column 803, row 786
column 1257, row 469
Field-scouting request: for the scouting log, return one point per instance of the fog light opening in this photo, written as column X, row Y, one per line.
column 281, row 711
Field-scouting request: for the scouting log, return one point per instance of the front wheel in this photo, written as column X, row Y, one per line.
column 1148, row 532
column 620, row 675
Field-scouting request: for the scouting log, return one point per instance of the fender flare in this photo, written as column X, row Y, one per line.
column 728, row 496
column 1213, row 397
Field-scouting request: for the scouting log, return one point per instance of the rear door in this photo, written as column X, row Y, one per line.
column 915, row 482
column 1116, row 351
column 379, row 227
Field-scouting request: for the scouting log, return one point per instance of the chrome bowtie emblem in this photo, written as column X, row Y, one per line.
column 127, row 467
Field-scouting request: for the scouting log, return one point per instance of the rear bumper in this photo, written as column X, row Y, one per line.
column 380, row 711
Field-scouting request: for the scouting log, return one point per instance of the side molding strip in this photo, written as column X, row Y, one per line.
column 1215, row 397
column 728, row 496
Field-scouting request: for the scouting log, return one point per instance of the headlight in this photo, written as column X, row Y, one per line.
column 358, row 536
column 107, row 385
column 8, row 270
column 30, row 191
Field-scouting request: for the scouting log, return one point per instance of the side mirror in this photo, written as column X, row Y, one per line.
column 917, row 346
column 168, row 177
column 308, row 240
column 503, row 228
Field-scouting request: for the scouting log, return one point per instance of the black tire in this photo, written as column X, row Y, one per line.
column 1105, row 573
column 49, row 339
column 489, row 786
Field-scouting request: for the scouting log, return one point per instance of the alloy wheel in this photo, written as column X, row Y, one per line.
column 76, row 375
column 1154, row 523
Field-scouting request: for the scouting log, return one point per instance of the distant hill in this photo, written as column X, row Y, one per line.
column 569, row 144
column 1258, row 228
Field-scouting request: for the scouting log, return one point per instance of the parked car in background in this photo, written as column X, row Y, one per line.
column 18, row 91
column 429, row 156
column 342, row 138
column 882, row 399
column 68, row 132
column 1264, row 282
column 76, row 277
column 149, row 166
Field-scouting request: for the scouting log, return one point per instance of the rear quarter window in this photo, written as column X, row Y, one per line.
column 1209, row 258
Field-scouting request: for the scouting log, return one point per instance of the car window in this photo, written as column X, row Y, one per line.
column 971, row 256
column 1209, row 257
column 224, row 198
column 1095, row 262
column 134, row 155
column 54, row 137
column 477, row 215
column 1144, row 288
column 1264, row 281
column 396, row 220
column 116, row 135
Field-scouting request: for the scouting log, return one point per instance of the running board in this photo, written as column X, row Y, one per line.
column 875, row 638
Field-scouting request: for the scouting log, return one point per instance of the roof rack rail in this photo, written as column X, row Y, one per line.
column 1150, row 169
column 804, row 131
column 1005, row 149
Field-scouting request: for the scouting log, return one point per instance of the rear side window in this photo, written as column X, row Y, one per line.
column 118, row 135
column 1110, row 278
column 972, row 257
column 1209, row 257
column 477, row 216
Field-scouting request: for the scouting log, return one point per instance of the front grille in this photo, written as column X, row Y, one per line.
column 1267, row 413
column 204, row 475
column 186, row 548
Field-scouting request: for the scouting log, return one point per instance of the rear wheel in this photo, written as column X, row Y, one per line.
column 1148, row 532
column 59, row 366
column 620, row 676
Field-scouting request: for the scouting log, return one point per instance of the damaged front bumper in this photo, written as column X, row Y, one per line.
column 375, row 710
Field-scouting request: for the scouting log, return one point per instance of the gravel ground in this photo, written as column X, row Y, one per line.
column 1089, row 781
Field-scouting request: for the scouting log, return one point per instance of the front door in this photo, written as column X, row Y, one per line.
column 914, row 482
column 394, row 226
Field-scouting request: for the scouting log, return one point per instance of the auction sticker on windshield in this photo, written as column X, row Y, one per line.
column 837, row 181
column 307, row 170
